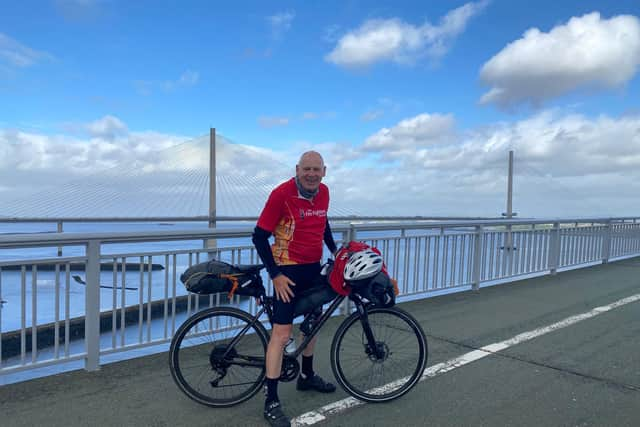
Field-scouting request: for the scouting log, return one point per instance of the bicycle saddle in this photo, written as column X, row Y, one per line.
column 249, row 268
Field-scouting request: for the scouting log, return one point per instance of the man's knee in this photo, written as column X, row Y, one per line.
column 281, row 334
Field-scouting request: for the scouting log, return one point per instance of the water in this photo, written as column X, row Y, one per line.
column 72, row 290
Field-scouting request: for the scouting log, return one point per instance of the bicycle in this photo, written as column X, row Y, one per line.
column 217, row 356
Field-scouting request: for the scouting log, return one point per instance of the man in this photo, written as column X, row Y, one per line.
column 296, row 215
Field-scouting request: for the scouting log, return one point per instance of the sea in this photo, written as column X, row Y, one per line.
column 10, row 280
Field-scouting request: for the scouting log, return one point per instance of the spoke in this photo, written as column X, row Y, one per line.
column 401, row 344
column 235, row 377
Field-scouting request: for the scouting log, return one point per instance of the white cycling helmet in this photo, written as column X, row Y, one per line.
column 362, row 265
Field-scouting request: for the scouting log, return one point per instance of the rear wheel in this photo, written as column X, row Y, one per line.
column 206, row 369
column 387, row 371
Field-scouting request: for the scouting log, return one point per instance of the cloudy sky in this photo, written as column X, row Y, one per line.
column 415, row 105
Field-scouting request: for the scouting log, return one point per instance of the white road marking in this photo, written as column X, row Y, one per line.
column 321, row 414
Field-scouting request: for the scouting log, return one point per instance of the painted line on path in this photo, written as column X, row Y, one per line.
column 321, row 414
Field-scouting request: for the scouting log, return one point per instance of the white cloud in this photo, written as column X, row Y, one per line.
column 411, row 134
column 586, row 52
column 566, row 164
column 14, row 53
column 572, row 145
column 108, row 127
column 281, row 23
column 270, row 121
column 394, row 40
column 107, row 144
column 551, row 143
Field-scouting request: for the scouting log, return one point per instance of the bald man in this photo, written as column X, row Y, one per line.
column 296, row 215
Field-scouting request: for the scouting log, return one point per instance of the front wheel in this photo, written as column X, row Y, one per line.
column 207, row 368
column 387, row 371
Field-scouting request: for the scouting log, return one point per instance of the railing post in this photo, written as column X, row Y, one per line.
column 345, row 236
column 60, row 230
column 606, row 243
column 554, row 249
column 212, row 243
column 349, row 234
column 205, row 245
column 352, row 232
column 477, row 257
column 92, row 307
column 636, row 234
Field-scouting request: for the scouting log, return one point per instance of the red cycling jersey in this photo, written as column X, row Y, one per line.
column 297, row 223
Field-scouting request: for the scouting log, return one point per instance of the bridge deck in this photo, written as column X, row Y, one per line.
column 583, row 373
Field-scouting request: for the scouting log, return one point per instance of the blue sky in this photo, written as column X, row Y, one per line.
column 390, row 86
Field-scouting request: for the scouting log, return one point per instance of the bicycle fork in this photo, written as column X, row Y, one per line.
column 374, row 350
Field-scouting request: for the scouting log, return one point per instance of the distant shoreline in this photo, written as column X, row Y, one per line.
column 80, row 266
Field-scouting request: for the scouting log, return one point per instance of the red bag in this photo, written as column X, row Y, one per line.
column 336, row 278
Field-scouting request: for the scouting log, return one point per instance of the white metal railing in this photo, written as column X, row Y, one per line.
column 117, row 292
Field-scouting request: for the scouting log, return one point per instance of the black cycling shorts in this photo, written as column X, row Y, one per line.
column 303, row 276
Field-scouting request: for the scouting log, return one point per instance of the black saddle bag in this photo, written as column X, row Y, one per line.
column 215, row 276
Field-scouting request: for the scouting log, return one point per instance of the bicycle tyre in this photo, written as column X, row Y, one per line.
column 193, row 354
column 371, row 380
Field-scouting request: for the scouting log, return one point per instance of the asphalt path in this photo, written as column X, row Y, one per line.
column 583, row 374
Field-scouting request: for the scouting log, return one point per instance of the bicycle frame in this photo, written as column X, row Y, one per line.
column 267, row 304
column 317, row 326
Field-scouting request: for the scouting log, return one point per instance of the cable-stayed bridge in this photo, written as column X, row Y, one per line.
column 169, row 178
column 171, row 182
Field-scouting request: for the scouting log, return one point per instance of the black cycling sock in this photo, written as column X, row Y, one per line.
column 272, row 391
column 307, row 366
